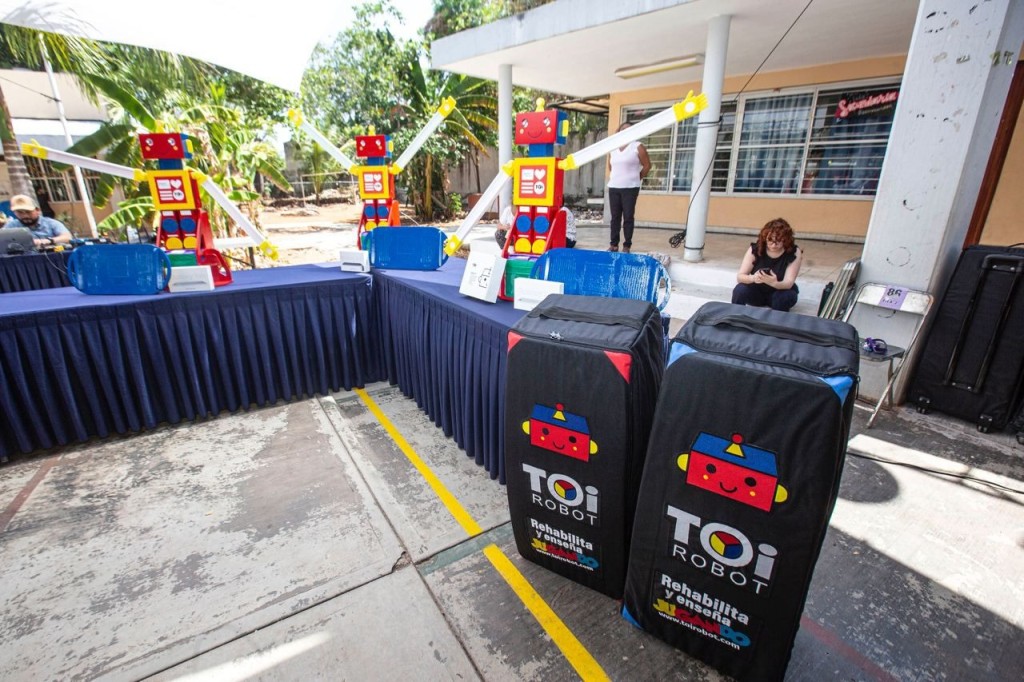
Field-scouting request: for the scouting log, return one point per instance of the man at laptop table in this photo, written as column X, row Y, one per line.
column 46, row 231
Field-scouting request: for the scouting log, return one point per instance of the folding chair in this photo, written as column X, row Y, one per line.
column 837, row 302
column 900, row 300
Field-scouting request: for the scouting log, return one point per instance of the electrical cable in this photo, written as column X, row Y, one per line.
column 680, row 236
column 32, row 90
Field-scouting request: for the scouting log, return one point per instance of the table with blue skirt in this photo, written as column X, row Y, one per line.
column 447, row 352
column 74, row 367
column 31, row 271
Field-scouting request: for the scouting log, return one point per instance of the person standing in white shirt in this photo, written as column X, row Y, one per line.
column 627, row 168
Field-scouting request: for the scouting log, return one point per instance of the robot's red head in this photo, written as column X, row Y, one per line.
column 537, row 127
column 372, row 146
column 156, row 146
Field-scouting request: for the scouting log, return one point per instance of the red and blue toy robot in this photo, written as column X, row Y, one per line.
column 183, row 229
column 538, row 223
column 376, row 184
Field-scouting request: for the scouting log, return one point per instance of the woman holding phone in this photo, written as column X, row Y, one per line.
column 767, row 275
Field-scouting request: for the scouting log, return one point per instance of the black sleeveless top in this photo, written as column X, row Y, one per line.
column 776, row 265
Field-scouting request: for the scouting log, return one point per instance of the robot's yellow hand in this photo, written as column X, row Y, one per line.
column 269, row 250
column 34, row 149
column 447, row 106
column 451, row 246
column 690, row 106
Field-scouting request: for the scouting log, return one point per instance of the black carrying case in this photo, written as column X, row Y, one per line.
column 741, row 475
column 972, row 364
column 582, row 378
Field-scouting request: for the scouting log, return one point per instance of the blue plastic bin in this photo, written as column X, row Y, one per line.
column 407, row 248
column 119, row 269
column 606, row 273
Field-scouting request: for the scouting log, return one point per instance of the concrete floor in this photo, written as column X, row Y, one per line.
column 299, row 542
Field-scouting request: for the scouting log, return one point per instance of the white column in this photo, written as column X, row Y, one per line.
column 506, row 123
column 958, row 72
column 707, row 136
column 79, row 178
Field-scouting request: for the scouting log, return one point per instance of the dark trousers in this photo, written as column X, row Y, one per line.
column 622, row 202
column 762, row 295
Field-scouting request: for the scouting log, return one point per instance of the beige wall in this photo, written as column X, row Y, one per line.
column 79, row 224
column 842, row 220
column 1005, row 224
column 28, row 95
column 835, row 218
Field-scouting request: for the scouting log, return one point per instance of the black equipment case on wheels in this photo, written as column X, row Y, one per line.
column 582, row 378
column 972, row 364
column 742, row 473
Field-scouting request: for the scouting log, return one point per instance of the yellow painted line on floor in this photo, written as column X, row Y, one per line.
column 575, row 653
column 450, row 502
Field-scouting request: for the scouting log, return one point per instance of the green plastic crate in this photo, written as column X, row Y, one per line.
column 182, row 258
column 515, row 269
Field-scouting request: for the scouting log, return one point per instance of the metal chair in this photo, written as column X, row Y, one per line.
column 900, row 300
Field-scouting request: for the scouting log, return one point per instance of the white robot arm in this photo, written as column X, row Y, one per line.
column 447, row 107
column 295, row 116
column 454, row 241
column 217, row 194
column 686, row 108
column 40, row 152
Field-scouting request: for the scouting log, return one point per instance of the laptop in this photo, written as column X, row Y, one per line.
column 15, row 241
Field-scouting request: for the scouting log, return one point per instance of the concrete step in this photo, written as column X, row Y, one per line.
column 695, row 285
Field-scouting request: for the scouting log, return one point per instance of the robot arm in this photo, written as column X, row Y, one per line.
column 447, row 107
column 38, row 151
column 687, row 108
column 217, row 194
column 295, row 116
column 490, row 194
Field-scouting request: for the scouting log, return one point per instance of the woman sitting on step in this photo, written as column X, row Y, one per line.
column 767, row 275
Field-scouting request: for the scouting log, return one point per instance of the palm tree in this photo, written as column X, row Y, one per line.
column 24, row 47
column 319, row 163
column 97, row 68
column 226, row 149
column 461, row 133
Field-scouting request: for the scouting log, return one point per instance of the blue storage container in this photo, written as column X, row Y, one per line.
column 606, row 273
column 407, row 248
column 118, row 269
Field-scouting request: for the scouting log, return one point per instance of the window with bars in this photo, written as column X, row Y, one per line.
column 686, row 135
column 659, row 148
column 60, row 185
column 828, row 141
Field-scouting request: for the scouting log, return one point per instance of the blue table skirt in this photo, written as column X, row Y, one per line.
column 33, row 271
column 74, row 366
column 447, row 352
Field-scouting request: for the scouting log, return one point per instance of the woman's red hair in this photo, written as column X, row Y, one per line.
column 778, row 228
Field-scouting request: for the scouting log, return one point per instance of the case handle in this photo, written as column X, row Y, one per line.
column 662, row 301
column 761, row 327
column 73, row 270
column 571, row 315
column 164, row 275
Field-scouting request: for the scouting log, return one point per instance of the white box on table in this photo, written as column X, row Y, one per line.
column 191, row 278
